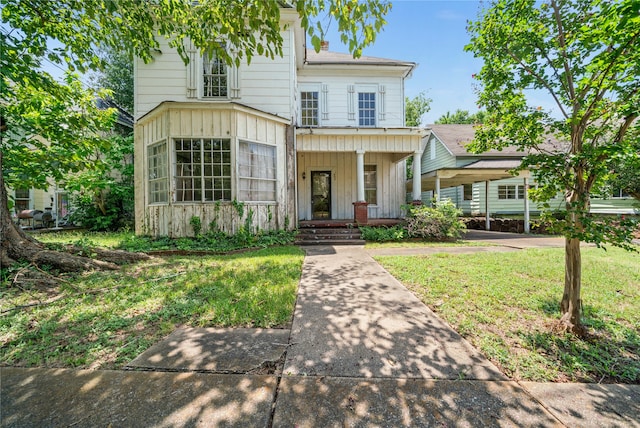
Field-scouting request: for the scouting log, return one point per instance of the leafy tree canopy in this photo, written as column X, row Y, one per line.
column 585, row 54
column 461, row 117
column 415, row 108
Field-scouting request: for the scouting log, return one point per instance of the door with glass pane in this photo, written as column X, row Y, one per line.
column 321, row 194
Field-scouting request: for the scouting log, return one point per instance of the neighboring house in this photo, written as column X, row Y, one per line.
column 55, row 198
column 450, row 172
column 300, row 137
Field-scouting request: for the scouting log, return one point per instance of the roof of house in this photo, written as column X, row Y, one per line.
column 456, row 137
column 337, row 58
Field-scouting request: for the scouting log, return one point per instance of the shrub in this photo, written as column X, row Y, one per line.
column 440, row 222
column 383, row 234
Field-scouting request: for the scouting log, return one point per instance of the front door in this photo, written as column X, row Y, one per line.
column 321, row 194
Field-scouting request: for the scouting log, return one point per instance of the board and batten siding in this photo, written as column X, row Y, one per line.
column 194, row 120
column 390, row 186
column 338, row 96
column 267, row 84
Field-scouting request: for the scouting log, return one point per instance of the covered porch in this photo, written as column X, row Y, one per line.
column 484, row 171
column 354, row 174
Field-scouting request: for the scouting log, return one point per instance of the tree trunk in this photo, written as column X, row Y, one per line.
column 16, row 245
column 571, row 305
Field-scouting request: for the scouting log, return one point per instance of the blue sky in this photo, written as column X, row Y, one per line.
column 432, row 34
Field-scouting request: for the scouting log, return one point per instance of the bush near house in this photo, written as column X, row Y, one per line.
column 441, row 222
column 438, row 223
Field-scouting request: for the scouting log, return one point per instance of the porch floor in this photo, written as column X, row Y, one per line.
column 339, row 223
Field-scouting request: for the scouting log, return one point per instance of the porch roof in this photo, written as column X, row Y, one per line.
column 484, row 170
column 402, row 141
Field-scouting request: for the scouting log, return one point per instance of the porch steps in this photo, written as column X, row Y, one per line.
column 328, row 234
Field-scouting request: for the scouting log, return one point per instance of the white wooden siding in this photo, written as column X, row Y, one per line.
column 350, row 142
column 390, row 189
column 338, row 96
column 267, row 84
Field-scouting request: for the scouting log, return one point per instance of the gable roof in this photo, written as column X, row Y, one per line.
column 456, row 137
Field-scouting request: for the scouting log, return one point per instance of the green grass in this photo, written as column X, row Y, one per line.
column 105, row 319
column 93, row 239
column 505, row 304
column 425, row 244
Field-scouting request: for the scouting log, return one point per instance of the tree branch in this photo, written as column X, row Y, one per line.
column 563, row 51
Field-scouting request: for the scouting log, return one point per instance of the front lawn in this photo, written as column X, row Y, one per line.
column 105, row 319
column 505, row 304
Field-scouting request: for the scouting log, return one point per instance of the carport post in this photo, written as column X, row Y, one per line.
column 487, row 224
column 526, row 205
column 417, row 176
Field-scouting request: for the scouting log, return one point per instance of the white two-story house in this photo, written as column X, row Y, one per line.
column 300, row 137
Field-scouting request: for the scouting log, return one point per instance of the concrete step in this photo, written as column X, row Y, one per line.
column 330, row 242
column 330, row 231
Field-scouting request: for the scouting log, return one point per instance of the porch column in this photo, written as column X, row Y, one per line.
column 526, row 205
column 437, row 187
column 360, row 174
column 360, row 211
column 487, row 223
column 417, row 176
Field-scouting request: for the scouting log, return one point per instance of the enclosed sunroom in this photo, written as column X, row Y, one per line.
column 222, row 162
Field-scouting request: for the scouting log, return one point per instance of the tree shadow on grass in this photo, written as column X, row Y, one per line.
column 610, row 353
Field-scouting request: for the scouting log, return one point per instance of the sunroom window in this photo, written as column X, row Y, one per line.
column 256, row 172
column 203, row 169
column 157, row 170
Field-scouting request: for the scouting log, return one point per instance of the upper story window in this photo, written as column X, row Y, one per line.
column 203, row 169
column 215, row 76
column 367, row 109
column 309, row 108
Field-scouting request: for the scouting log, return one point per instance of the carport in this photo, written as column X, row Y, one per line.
column 481, row 171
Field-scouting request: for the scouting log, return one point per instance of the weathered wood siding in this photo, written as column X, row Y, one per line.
column 194, row 120
column 390, row 188
column 365, row 140
column 174, row 220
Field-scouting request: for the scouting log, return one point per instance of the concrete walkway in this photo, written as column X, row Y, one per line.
column 362, row 351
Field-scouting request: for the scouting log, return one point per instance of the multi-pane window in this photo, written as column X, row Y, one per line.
column 510, row 191
column 371, row 184
column 215, row 76
column 309, row 108
column 157, row 167
column 367, row 108
column 203, row 169
column 22, row 199
column 256, row 172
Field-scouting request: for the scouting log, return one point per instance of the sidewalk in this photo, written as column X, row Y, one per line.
column 362, row 351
